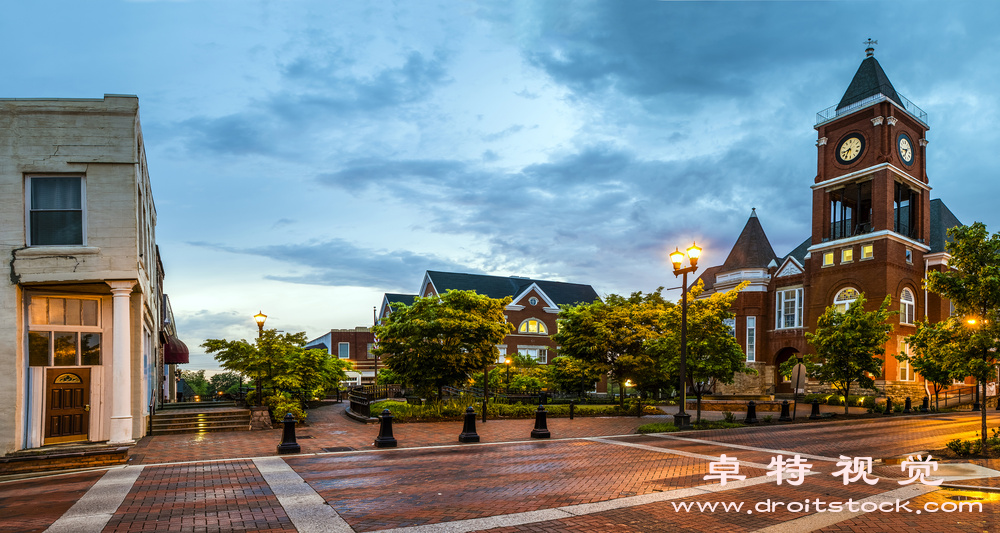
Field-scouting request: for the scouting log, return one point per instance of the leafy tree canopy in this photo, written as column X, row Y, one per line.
column 611, row 336
column 848, row 345
column 442, row 340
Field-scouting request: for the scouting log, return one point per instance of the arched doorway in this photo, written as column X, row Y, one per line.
column 783, row 385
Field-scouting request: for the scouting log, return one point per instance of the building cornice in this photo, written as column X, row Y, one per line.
column 847, row 178
column 868, row 237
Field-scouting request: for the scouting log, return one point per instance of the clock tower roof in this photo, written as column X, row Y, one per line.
column 870, row 80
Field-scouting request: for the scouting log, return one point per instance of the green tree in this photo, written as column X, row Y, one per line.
column 442, row 340
column 713, row 354
column 611, row 336
column 225, row 382
column 933, row 345
column 972, row 283
column 848, row 345
column 279, row 362
column 196, row 380
column 572, row 375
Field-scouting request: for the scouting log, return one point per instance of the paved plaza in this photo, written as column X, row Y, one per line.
column 595, row 474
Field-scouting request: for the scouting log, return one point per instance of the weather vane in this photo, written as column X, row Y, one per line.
column 870, row 51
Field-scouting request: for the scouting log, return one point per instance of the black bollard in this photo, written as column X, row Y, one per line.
column 469, row 429
column 385, row 438
column 638, row 409
column 908, row 407
column 926, row 406
column 288, row 444
column 888, row 406
column 785, row 416
column 751, row 412
column 998, row 403
column 541, row 430
column 572, row 407
column 815, row 411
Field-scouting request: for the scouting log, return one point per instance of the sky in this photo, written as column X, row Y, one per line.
column 309, row 156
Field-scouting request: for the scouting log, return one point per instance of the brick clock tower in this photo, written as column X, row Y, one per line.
column 871, row 205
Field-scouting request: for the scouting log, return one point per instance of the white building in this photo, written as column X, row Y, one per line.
column 80, row 303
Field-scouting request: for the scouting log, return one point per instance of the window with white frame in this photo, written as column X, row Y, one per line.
column 905, row 369
column 55, row 211
column 751, row 339
column 907, row 307
column 845, row 298
column 533, row 325
column 731, row 324
column 64, row 331
column 537, row 353
column 502, row 348
column 789, row 308
column 371, row 346
column 344, row 350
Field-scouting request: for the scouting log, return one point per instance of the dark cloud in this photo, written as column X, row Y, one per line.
column 337, row 262
column 315, row 92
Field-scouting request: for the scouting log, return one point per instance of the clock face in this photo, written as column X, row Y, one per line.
column 905, row 147
column 850, row 148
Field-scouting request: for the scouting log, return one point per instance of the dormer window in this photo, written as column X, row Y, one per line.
column 533, row 326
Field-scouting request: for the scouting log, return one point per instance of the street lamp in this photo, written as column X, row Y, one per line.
column 259, row 318
column 507, row 362
column 973, row 322
column 683, row 420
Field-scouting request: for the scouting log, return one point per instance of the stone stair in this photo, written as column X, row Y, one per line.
column 194, row 420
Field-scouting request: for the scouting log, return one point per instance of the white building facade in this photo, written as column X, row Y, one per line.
column 80, row 302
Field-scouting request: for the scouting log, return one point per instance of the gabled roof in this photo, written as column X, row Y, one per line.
column 500, row 287
column 868, row 81
column 942, row 219
column 752, row 249
column 391, row 298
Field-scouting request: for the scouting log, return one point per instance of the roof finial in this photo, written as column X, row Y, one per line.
column 753, row 212
column 870, row 51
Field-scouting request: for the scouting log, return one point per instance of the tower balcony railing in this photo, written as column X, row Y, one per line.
column 832, row 112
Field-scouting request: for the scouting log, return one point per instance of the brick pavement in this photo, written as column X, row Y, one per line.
column 19, row 500
column 553, row 484
column 222, row 496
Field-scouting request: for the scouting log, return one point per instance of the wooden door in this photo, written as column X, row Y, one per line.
column 67, row 407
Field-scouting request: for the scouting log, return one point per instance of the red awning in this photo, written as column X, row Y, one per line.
column 174, row 351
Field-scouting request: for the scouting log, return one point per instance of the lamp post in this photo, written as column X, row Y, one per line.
column 507, row 362
column 973, row 323
column 259, row 318
column 683, row 420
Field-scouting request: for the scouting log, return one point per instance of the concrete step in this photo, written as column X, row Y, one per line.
column 197, row 405
column 192, row 420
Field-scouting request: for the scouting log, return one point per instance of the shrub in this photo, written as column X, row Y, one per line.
column 280, row 405
column 767, row 419
column 960, row 447
column 728, row 416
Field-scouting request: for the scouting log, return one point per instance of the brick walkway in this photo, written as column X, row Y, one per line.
column 579, row 480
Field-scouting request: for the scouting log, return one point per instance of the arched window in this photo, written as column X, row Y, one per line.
column 533, row 325
column 845, row 298
column 907, row 307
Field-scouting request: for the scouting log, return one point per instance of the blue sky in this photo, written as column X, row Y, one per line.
column 308, row 156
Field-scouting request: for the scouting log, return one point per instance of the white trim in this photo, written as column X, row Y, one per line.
column 751, row 333
column 939, row 258
column 423, row 284
column 545, row 297
column 867, row 237
column 870, row 170
column 784, row 264
column 512, row 307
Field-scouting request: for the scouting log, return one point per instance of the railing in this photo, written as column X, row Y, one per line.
column 956, row 393
column 361, row 398
column 832, row 112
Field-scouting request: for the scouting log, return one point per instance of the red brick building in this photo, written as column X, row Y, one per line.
column 533, row 310
column 353, row 345
column 875, row 231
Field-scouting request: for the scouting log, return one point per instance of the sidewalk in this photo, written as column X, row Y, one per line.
column 509, row 482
